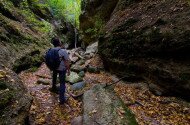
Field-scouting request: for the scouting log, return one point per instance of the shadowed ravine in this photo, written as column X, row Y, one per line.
column 129, row 62
column 147, row 108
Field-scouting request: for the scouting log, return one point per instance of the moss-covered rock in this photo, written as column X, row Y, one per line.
column 6, row 96
column 73, row 78
column 150, row 41
column 40, row 8
column 24, row 36
column 33, row 59
column 22, row 32
column 95, row 14
column 14, row 100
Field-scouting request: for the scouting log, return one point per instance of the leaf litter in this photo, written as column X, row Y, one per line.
column 148, row 108
column 45, row 108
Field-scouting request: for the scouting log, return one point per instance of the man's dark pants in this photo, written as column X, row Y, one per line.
column 62, row 88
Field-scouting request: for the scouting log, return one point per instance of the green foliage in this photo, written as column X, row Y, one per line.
column 6, row 97
column 68, row 9
column 99, row 22
column 33, row 69
column 94, row 31
column 43, row 26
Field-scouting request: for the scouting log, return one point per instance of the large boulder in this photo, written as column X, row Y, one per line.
column 91, row 49
column 150, row 40
column 15, row 102
column 101, row 107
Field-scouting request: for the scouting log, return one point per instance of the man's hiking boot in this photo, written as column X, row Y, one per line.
column 65, row 101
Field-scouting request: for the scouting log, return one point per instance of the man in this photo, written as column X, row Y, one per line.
column 62, row 69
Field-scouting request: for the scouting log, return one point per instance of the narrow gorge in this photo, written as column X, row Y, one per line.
column 129, row 62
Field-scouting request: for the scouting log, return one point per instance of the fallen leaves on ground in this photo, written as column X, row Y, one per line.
column 45, row 108
column 91, row 79
column 148, row 108
column 102, row 77
column 96, row 62
column 151, row 109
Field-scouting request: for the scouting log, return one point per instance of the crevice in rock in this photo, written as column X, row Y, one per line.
column 7, row 13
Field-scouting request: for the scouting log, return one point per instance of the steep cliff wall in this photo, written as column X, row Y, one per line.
column 150, row 40
column 24, row 35
column 22, row 31
column 95, row 14
column 147, row 40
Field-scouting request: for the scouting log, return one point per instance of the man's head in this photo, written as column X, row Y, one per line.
column 56, row 42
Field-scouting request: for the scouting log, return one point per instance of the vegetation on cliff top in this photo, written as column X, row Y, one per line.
column 67, row 9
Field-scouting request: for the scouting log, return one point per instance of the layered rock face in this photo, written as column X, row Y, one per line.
column 146, row 40
column 150, row 40
column 22, row 33
column 24, row 36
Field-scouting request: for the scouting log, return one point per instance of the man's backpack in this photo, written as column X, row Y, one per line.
column 52, row 59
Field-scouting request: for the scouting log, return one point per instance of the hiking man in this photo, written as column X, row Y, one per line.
column 60, row 66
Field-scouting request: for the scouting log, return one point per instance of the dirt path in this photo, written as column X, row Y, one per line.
column 45, row 108
column 148, row 109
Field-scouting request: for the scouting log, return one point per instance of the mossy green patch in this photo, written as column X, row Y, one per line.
column 94, row 32
column 5, row 95
column 5, row 99
column 99, row 22
column 128, row 115
column 41, row 26
column 33, row 69
column 33, row 59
